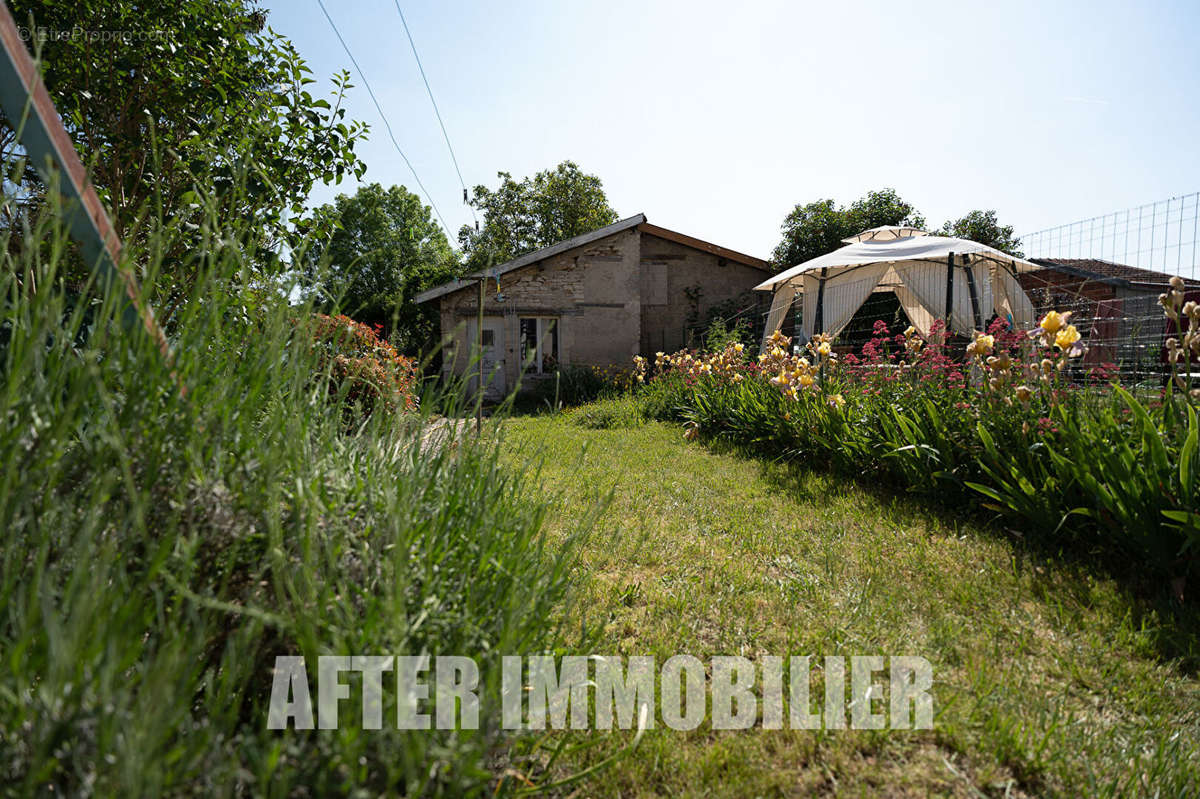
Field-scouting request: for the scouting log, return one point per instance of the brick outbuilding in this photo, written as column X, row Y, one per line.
column 594, row 300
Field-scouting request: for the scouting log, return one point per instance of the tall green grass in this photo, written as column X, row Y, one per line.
column 160, row 548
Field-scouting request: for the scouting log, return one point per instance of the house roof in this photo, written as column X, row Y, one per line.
column 1108, row 271
column 636, row 221
column 531, row 257
column 714, row 249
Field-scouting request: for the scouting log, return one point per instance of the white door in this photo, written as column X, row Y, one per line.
column 493, row 358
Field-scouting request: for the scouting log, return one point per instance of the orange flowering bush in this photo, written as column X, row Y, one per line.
column 365, row 370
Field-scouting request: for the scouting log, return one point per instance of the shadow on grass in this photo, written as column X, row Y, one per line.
column 1172, row 627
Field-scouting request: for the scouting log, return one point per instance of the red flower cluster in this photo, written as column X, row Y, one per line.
column 887, row 358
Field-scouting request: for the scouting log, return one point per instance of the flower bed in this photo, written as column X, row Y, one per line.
column 1018, row 428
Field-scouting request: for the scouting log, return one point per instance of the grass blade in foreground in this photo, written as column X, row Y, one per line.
column 160, row 551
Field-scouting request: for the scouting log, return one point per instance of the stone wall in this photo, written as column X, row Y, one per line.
column 591, row 290
column 614, row 298
column 680, row 284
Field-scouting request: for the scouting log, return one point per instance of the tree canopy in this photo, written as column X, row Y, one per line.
column 521, row 217
column 168, row 99
column 385, row 248
column 981, row 226
column 819, row 227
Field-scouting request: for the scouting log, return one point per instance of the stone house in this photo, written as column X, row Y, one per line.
column 594, row 300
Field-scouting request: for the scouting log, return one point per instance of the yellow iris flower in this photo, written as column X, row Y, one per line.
column 1066, row 337
column 982, row 345
column 1053, row 321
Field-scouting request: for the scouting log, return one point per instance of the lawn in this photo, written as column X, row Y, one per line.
column 1050, row 679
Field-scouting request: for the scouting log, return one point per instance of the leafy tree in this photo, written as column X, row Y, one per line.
column 167, row 100
column 817, row 228
column 385, row 248
column 553, row 205
column 981, row 226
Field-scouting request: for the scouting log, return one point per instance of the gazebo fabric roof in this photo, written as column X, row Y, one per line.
column 934, row 277
column 885, row 233
column 928, row 249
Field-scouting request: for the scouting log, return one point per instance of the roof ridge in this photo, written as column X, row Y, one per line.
column 636, row 221
column 1127, row 273
column 704, row 246
column 532, row 257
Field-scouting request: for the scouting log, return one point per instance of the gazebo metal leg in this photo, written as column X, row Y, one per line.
column 949, row 290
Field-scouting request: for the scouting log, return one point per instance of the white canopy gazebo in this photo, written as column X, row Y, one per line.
column 933, row 277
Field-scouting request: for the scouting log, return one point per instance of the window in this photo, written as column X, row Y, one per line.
column 539, row 344
column 489, row 337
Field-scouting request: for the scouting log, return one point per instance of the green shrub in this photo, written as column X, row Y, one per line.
column 576, row 385
column 719, row 334
column 665, row 399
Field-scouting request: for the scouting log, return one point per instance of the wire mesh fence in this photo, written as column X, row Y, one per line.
column 1109, row 271
column 1161, row 236
column 1124, row 327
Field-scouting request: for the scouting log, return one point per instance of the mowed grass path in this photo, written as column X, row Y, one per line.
column 1047, row 681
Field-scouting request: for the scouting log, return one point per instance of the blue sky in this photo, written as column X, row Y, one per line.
column 715, row 118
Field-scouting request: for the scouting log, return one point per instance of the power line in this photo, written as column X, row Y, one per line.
column 429, row 89
column 383, row 116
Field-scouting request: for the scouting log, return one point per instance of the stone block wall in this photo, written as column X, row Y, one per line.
column 626, row 294
column 592, row 290
column 686, row 283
